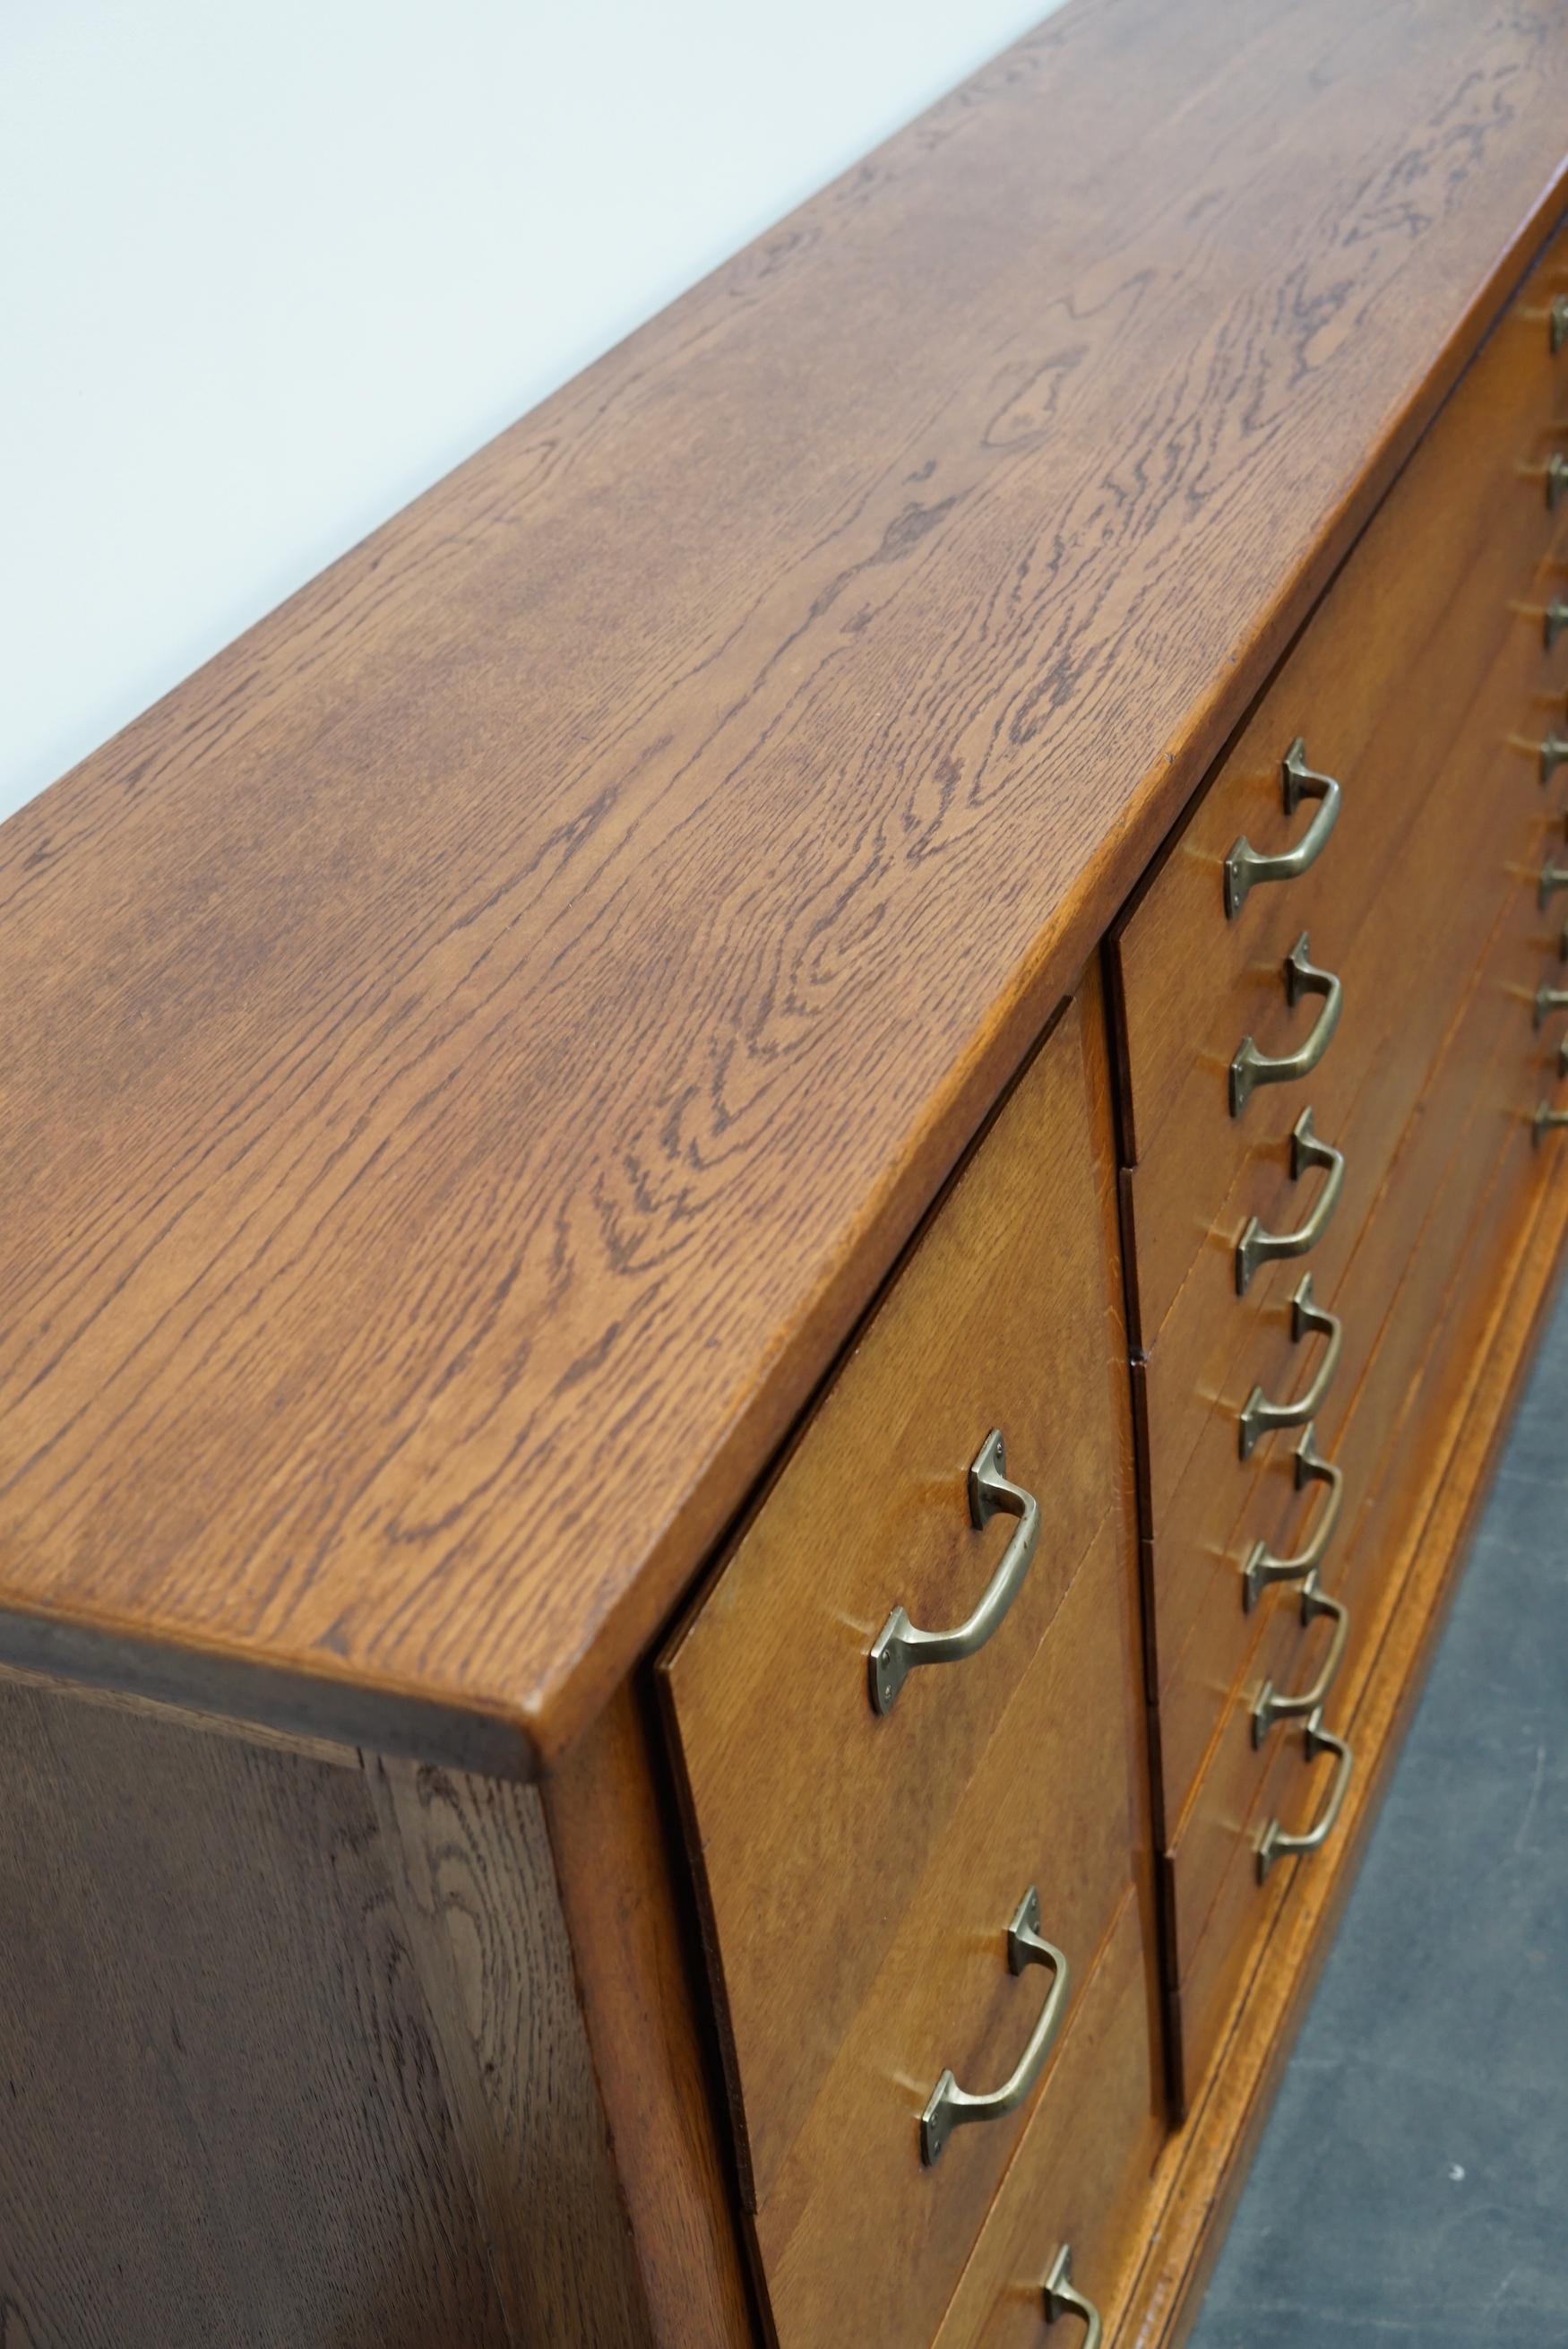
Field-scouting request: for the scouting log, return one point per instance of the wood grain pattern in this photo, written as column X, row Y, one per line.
column 225, row 2115
column 473, row 1051
column 1006, row 1313
column 471, row 1873
column 293, row 2052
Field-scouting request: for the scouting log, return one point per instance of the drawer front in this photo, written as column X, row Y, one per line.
column 818, row 1821
column 1054, row 1809
column 1204, row 1395
column 1379, row 688
column 1080, row 2180
column 1484, row 803
column 1452, row 704
column 1445, row 1099
column 1463, row 1182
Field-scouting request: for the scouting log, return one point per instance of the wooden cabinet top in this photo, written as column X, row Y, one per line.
column 472, row 1051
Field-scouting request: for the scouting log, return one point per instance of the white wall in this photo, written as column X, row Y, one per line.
column 269, row 267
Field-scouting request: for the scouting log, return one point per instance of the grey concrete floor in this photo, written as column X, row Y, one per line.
column 1412, row 2183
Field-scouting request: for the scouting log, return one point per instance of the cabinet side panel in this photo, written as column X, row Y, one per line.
column 477, row 1892
column 225, row 2117
column 637, row 1967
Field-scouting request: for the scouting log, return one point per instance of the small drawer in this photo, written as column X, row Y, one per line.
column 1056, row 1809
column 1222, row 1508
column 813, row 1816
column 1080, row 2180
column 1487, row 833
column 1380, row 685
column 1485, row 811
column 1194, row 1194
column 1458, row 1186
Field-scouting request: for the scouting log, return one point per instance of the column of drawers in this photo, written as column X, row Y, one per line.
column 1269, row 1384
column 923, row 1868
column 908, row 1714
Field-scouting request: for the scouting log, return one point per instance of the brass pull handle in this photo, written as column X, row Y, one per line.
column 1263, row 1568
column 1251, row 1068
column 1270, row 1706
column 1244, row 867
column 1547, row 1120
column 1553, row 878
column 951, row 2106
column 1559, row 328
column 1275, row 1843
column 1548, row 999
column 1556, row 481
column 1259, row 1416
column 1553, row 752
column 1258, row 1246
column 900, row 1647
column 1556, row 620
column 1062, row 2299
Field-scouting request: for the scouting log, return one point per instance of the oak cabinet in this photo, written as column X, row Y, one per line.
column 770, row 1204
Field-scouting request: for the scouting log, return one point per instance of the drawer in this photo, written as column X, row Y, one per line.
column 1057, row 1807
column 1476, row 1189
column 1473, row 862
column 1395, row 953
column 812, row 1817
column 1081, row 2175
column 1426, row 1354
column 1220, row 1506
column 1483, row 812
column 1379, row 686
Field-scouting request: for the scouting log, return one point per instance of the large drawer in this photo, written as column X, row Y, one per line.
column 1057, row 1808
column 1079, row 2181
column 859, row 1849
column 1378, row 688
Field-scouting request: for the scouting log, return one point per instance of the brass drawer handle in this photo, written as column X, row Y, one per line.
column 1559, row 330
column 1244, row 867
column 1555, row 622
column 900, row 1647
column 1263, row 1568
column 950, row 2105
column 1063, row 2299
column 1259, row 1416
column 1270, row 1706
column 1547, row 1120
column 1553, row 878
column 1256, row 1245
column 1556, row 481
column 1548, row 999
column 1553, row 753
column 1251, row 1068
column 1275, row 1843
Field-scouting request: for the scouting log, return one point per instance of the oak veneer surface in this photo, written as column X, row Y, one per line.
column 472, row 1051
column 291, row 2055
